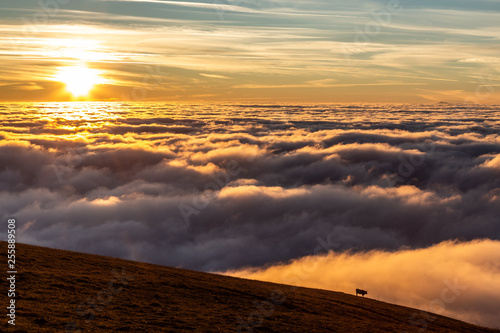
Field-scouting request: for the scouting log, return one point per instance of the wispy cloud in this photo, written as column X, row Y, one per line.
column 221, row 8
column 214, row 76
column 192, row 45
column 216, row 6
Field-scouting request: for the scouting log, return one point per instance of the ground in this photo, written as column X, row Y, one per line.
column 61, row 291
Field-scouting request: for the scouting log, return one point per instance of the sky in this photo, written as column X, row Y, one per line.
column 271, row 51
column 401, row 201
column 201, row 135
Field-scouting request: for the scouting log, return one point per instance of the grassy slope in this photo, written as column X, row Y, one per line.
column 53, row 283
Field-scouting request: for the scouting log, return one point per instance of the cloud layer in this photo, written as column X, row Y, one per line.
column 459, row 280
column 223, row 187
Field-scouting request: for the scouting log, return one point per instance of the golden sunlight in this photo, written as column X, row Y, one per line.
column 79, row 80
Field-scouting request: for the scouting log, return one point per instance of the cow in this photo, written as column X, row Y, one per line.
column 361, row 292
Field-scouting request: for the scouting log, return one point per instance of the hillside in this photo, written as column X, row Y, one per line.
column 99, row 294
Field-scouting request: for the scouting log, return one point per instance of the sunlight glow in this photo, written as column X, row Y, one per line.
column 79, row 80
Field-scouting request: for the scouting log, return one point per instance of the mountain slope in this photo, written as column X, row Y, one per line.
column 61, row 291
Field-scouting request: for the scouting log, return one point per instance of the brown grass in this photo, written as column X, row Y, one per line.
column 52, row 284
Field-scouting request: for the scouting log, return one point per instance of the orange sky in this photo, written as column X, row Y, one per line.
column 444, row 279
column 364, row 51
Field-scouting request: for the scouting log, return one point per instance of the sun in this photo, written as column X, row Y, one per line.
column 79, row 80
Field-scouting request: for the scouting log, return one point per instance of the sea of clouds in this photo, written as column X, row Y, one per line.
column 254, row 190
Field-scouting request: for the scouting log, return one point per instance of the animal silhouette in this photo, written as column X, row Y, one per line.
column 361, row 292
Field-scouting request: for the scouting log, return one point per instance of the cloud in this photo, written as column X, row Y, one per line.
column 493, row 163
column 181, row 48
column 223, row 187
column 216, row 6
column 214, row 76
column 481, row 60
column 460, row 280
column 221, row 8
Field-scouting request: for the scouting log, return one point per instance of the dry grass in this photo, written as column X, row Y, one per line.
column 52, row 284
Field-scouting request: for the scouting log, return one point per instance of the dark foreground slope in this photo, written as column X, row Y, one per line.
column 61, row 291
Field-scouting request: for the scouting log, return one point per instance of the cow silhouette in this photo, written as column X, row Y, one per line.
column 361, row 292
